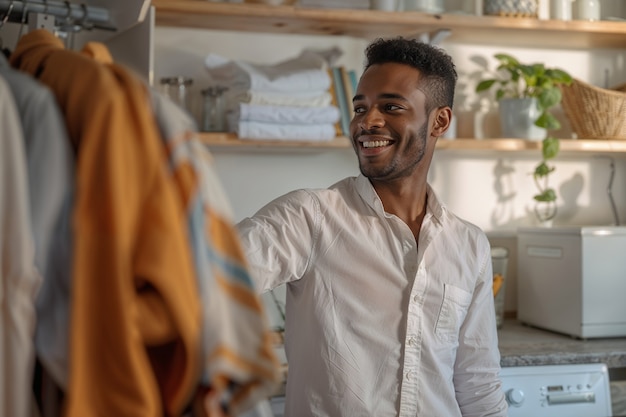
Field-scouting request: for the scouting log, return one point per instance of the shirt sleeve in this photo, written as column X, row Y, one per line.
column 476, row 377
column 279, row 239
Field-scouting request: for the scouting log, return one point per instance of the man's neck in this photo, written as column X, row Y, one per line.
column 406, row 200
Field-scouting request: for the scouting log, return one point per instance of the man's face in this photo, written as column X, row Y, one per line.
column 390, row 126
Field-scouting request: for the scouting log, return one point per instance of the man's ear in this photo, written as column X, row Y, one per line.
column 441, row 121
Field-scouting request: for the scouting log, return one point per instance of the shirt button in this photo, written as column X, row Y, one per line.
column 415, row 298
column 409, row 375
column 412, row 341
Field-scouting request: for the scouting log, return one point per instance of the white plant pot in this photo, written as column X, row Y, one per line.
column 517, row 119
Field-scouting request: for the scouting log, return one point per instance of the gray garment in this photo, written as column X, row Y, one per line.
column 50, row 182
column 50, row 164
column 19, row 278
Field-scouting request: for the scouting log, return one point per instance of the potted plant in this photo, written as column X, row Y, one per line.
column 530, row 90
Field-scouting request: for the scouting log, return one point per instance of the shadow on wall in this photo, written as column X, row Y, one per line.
column 569, row 193
column 503, row 181
column 503, row 215
column 583, row 194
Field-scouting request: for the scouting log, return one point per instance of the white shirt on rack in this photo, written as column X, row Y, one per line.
column 19, row 279
column 377, row 323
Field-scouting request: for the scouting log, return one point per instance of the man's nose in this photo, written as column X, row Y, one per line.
column 373, row 118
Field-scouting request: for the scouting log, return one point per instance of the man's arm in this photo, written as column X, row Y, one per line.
column 278, row 240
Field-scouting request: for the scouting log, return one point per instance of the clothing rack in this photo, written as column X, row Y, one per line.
column 78, row 14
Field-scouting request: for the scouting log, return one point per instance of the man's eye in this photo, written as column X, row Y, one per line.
column 391, row 107
column 359, row 110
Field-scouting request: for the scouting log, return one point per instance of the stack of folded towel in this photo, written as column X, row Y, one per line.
column 290, row 100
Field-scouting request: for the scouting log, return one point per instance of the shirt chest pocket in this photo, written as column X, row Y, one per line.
column 453, row 309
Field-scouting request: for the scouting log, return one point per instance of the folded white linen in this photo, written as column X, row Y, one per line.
column 307, row 73
column 292, row 98
column 288, row 114
column 293, row 132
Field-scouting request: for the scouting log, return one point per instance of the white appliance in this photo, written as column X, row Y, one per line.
column 545, row 391
column 572, row 280
column 557, row 391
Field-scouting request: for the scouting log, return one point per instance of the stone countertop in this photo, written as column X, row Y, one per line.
column 522, row 345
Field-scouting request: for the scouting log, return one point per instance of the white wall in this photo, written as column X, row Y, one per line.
column 493, row 190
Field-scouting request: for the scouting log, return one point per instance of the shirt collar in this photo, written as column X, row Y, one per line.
column 366, row 190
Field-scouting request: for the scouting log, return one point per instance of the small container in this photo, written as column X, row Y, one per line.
column 543, row 9
column 213, row 108
column 561, row 10
column 473, row 7
column 499, row 261
column 177, row 89
column 451, row 133
column 588, row 9
column 481, row 118
column 424, row 6
column 385, row 5
column 511, row 8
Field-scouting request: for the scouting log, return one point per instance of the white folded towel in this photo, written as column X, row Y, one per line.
column 305, row 73
column 291, row 132
column 288, row 115
column 292, row 98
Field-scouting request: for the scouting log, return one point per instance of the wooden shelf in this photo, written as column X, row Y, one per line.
column 230, row 142
column 486, row 30
column 516, row 145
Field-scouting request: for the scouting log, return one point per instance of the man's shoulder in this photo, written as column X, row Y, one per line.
column 307, row 196
column 341, row 187
column 466, row 227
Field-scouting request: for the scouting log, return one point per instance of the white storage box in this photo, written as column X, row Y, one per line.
column 572, row 280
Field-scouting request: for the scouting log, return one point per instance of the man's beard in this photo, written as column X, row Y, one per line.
column 393, row 169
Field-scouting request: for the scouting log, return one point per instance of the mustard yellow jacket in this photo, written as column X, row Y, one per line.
column 135, row 313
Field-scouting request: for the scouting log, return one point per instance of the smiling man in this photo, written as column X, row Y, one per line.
column 389, row 301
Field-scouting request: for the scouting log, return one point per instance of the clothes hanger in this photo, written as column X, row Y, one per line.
column 5, row 18
column 83, row 23
column 69, row 26
column 6, row 15
column 23, row 19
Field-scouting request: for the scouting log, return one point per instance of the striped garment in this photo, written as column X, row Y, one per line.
column 239, row 365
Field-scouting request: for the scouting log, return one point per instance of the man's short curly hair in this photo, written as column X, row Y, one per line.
column 438, row 73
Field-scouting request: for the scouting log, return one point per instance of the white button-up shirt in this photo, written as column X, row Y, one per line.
column 377, row 323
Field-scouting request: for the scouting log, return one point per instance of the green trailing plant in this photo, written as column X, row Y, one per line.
column 549, row 150
column 516, row 80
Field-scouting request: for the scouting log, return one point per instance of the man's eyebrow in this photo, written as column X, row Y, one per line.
column 381, row 96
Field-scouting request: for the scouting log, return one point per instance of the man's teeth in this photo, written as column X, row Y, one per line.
column 375, row 143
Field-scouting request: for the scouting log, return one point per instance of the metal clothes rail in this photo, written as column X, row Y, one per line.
column 79, row 14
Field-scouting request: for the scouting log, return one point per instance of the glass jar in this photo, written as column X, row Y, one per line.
column 499, row 261
column 177, row 89
column 213, row 109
